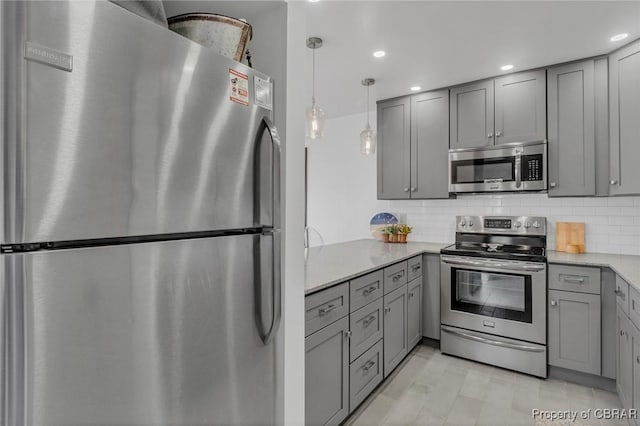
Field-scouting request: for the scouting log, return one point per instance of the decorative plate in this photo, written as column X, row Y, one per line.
column 380, row 220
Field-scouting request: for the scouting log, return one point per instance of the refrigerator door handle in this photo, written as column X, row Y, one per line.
column 276, row 287
column 267, row 125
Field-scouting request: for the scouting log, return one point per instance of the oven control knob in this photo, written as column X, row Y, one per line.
column 470, row 222
column 536, row 224
column 527, row 224
column 518, row 224
column 463, row 222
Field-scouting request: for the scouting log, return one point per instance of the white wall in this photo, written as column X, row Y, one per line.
column 342, row 200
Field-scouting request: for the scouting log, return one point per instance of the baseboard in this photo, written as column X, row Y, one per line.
column 581, row 378
column 430, row 342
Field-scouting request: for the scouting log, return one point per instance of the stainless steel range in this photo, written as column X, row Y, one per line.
column 493, row 292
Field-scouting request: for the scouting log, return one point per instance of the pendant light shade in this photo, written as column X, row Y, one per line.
column 368, row 137
column 315, row 115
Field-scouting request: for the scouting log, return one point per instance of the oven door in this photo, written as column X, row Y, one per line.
column 500, row 297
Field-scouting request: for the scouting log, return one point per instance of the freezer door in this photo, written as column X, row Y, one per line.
column 169, row 333
column 122, row 127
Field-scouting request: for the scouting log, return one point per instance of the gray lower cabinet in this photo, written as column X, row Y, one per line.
column 624, row 128
column 394, row 142
column 431, row 296
column 365, row 374
column 471, row 115
column 520, row 106
column 575, row 331
column 624, row 372
column 635, row 361
column 571, row 121
column 414, row 313
column 395, row 328
column 327, row 375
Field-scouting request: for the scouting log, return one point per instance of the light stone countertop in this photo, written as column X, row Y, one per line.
column 337, row 263
column 627, row 266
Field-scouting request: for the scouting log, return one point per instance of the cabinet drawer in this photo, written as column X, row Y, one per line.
column 325, row 307
column 414, row 268
column 579, row 279
column 365, row 374
column 366, row 328
column 634, row 306
column 622, row 294
column 365, row 289
column 395, row 276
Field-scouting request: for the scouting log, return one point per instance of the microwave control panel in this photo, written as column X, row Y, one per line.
column 532, row 167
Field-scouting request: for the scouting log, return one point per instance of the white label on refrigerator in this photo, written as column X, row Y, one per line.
column 263, row 90
column 239, row 87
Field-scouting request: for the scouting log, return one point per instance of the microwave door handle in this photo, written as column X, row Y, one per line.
column 518, row 168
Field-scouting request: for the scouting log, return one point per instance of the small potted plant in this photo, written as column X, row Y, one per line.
column 388, row 233
column 403, row 231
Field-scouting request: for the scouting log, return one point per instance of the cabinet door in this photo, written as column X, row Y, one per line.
column 395, row 328
column 520, row 107
column 471, row 115
column 636, row 371
column 430, row 145
column 394, row 140
column 431, row 296
column 624, row 125
column 575, row 331
column 327, row 375
column 414, row 313
column 601, row 78
column 571, row 120
column 624, row 382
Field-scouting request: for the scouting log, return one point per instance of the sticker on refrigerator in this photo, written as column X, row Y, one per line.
column 239, row 86
column 263, row 90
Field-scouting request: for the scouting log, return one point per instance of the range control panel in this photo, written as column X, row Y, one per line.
column 526, row 225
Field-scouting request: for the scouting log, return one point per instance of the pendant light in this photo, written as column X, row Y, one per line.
column 315, row 114
column 368, row 135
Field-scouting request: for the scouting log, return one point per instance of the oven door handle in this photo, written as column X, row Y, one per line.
column 518, row 167
column 499, row 343
column 512, row 267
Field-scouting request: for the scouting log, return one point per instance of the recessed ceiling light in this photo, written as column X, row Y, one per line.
column 619, row 37
column 415, row 88
column 379, row 53
column 506, row 67
column 313, row 1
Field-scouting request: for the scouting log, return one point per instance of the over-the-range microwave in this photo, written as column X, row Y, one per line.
column 511, row 167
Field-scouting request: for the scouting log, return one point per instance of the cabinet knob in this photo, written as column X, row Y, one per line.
column 406, row 189
column 498, row 134
column 348, row 334
column 621, row 333
column 554, row 303
column 387, row 310
column 413, row 189
column 613, row 182
column 638, row 359
column 490, row 135
column 552, row 184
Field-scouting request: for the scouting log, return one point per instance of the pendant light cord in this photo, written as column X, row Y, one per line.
column 368, row 125
column 313, row 85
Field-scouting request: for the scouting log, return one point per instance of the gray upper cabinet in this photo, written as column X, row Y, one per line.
column 413, row 141
column 571, row 120
column 414, row 313
column 429, row 144
column 394, row 141
column 327, row 375
column 471, row 115
column 624, row 125
column 520, row 107
column 575, row 331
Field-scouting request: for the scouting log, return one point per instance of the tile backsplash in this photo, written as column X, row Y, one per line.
column 612, row 224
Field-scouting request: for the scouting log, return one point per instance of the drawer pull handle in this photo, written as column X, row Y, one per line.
column 368, row 291
column 368, row 365
column 620, row 294
column 415, row 268
column 638, row 359
column 387, row 310
column 633, row 304
column 396, row 277
column 326, row 310
column 410, row 294
column 368, row 320
column 573, row 280
column 621, row 333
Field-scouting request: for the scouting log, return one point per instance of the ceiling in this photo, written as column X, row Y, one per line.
column 437, row 44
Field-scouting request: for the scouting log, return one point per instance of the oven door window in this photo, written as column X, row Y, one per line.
column 492, row 294
column 482, row 170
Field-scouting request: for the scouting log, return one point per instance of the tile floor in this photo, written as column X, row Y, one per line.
column 430, row 388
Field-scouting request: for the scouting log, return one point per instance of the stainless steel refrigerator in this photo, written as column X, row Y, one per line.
column 140, row 224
